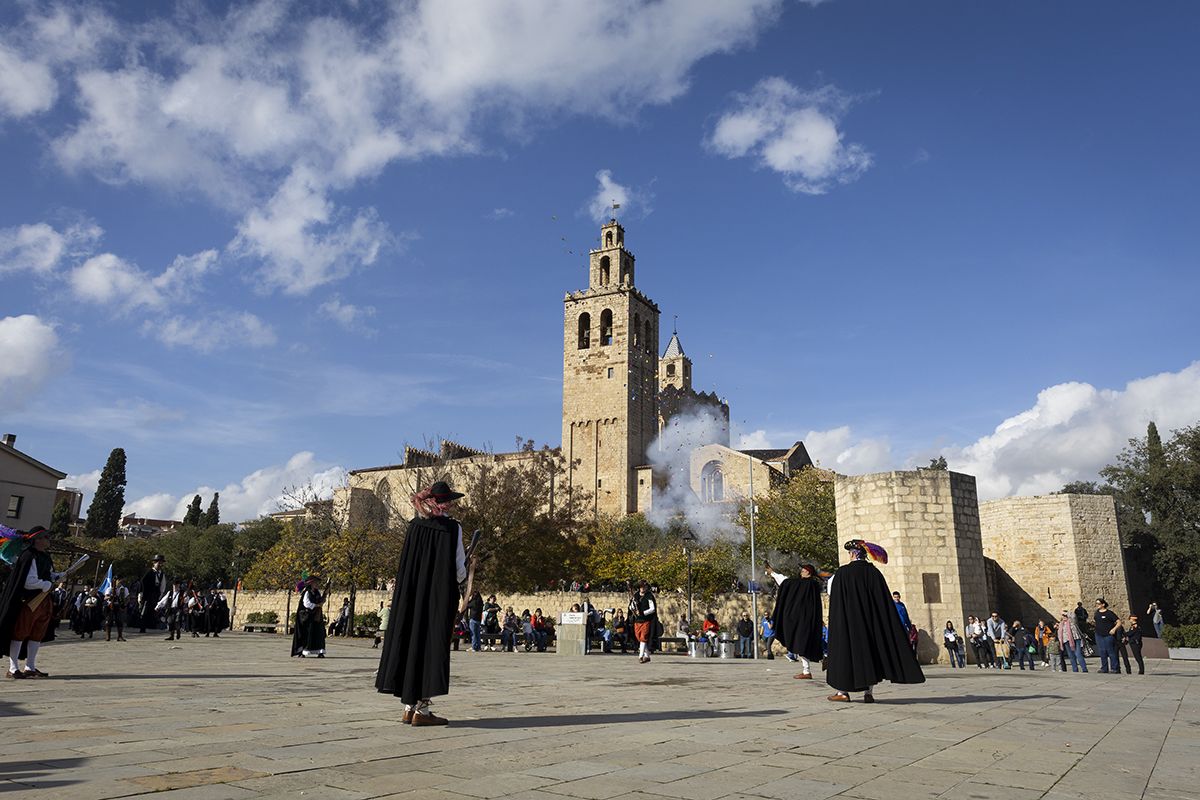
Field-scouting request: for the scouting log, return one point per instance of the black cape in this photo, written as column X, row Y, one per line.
column 415, row 662
column 309, row 631
column 14, row 593
column 866, row 640
column 797, row 617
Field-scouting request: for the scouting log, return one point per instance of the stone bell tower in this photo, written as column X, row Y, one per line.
column 610, row 378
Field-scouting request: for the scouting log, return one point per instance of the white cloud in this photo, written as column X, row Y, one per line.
column 793, row 132
column 838, row 449
column 349, row 316
column 301, row 240
column 219, row 331
column 29, row 356
column 85, row 482
column 26, row 87
column 258, row 493
column 608, row 192
column 107, row 279
column 39, row 248
column 498, row 214
column 1073, row 430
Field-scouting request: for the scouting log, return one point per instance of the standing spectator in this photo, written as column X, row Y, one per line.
column 902, row 610
column 745, row 632
column 1054, row 654
column 1156, row 618
column 767, row 632
column 384, row 613
column 1133, row 637
column 491, row 620
column 975, row 633
column 1071, row 640
column 1042, row 634
column 475, row 619
column 340, row 625
column 1119, row 637
column 914, row 636
column 1107, row 624
column 1081, row 619
column 954, row 646
column 116, row 600
column 1021, row 645
column 997, row 639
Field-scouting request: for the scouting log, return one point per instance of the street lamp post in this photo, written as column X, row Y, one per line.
column 753, row 571
column 689, row 541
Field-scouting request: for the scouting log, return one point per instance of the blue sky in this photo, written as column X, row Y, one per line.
column 254, row 246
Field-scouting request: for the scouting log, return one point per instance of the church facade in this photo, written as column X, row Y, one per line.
column 618, row 394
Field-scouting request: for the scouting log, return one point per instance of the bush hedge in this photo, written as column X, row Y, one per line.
column 262, row 618
column 369, row 620
column 1181, row 635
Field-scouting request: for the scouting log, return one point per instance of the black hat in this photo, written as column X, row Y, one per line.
column 441, row 492
column 35, row 531
column 158, row 557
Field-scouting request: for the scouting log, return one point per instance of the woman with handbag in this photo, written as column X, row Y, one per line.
column 954, row 645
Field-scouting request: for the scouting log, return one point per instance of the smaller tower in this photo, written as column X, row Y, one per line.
column 675, row 368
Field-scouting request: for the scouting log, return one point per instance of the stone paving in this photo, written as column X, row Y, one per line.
column 236, row 718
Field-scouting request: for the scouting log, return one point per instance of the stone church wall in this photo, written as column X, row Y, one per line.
column 928, row 521
column 1053, row 551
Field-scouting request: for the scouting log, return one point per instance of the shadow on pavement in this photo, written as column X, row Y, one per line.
column 29, row 775
column 960, row 699
column 169, row 676
column 567, row 720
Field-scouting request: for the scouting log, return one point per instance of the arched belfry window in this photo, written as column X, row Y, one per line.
column 585, row 331
column 712, row 483
column 608, row 239
column 604, row 270
column 648, row 342
column 637, row 329
column 626, row 271
column 606, row 327
column 670, row 370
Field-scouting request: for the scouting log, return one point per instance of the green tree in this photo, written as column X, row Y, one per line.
column 938, row 463
column 60, row 521
column 104, row 513
column 797, row 519
column 1085, row 487
column 213, row 515
column 629, row 548
column 194, row 514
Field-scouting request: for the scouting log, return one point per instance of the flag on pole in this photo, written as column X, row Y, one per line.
column 106, row 586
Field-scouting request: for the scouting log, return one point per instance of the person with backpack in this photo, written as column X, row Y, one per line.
column 1023, row 649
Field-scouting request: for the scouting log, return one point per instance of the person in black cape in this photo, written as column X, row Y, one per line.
column 797, row 616
column 308, row 634
column 23, row 629
column 154, row 585
column 867, row 642
column 414, row 663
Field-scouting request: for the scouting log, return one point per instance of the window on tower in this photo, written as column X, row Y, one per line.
column 585, row 331
column 626, row 271
column 604, row 270
column 649, row 342
column 608, row 239
column 637, row 329
column 606, row 327
column 670, row 370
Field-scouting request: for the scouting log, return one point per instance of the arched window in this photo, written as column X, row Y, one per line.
column 606, row 328
column 608, row 239
column 604, row 268
column 637, row 329
column 670, row 370
column 647, row 341
column 626, row 271
column 712, row 483
column 585, row 331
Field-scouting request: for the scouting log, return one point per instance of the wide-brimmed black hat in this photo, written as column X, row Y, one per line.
column 442, row 492
column 157, row 557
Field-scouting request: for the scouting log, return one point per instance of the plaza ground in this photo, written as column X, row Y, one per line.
column 236, row 718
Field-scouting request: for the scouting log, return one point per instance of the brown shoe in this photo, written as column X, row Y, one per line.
column 803, row 676
column 14, row 675
column 839, row 698
column 407, row 718
column 428, row 719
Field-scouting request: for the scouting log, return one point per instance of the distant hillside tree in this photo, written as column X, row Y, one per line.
column 213, row 515
column 104, row 513
column 60, row 522
column 193, row 515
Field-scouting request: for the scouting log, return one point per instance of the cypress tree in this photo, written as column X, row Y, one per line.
column 192, row 517
column 104, row 513
column 1158, row 484
column 60, row 521
column 213, row 515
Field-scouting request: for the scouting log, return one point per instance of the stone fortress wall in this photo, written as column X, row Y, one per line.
column 1053, row 551
column 928, row 521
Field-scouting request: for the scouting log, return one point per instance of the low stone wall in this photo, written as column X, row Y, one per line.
column 728, row 608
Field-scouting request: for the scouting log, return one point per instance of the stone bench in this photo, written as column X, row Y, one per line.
column 261, row 627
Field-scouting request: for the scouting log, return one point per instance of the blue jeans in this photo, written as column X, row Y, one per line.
column 956, row 654
column 1075, row 656
column 745, row 647
column 1023, row 654
column 476, row 639
column 1106, row 646
column 1158, row 629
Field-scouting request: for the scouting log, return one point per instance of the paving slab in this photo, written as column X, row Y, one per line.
column 237, row 718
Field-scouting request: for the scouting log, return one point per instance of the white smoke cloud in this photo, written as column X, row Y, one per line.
column 674, row 501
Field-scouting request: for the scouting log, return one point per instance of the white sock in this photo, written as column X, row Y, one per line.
column 14, row 650
column 422, row 707
column 805, row 667
column 643, row 650
column 31, row 651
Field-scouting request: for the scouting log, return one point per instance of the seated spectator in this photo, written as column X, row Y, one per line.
column 682, row 632
column 541, row 630
column 711, row 630
column 508, row 632
column 621, row 631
